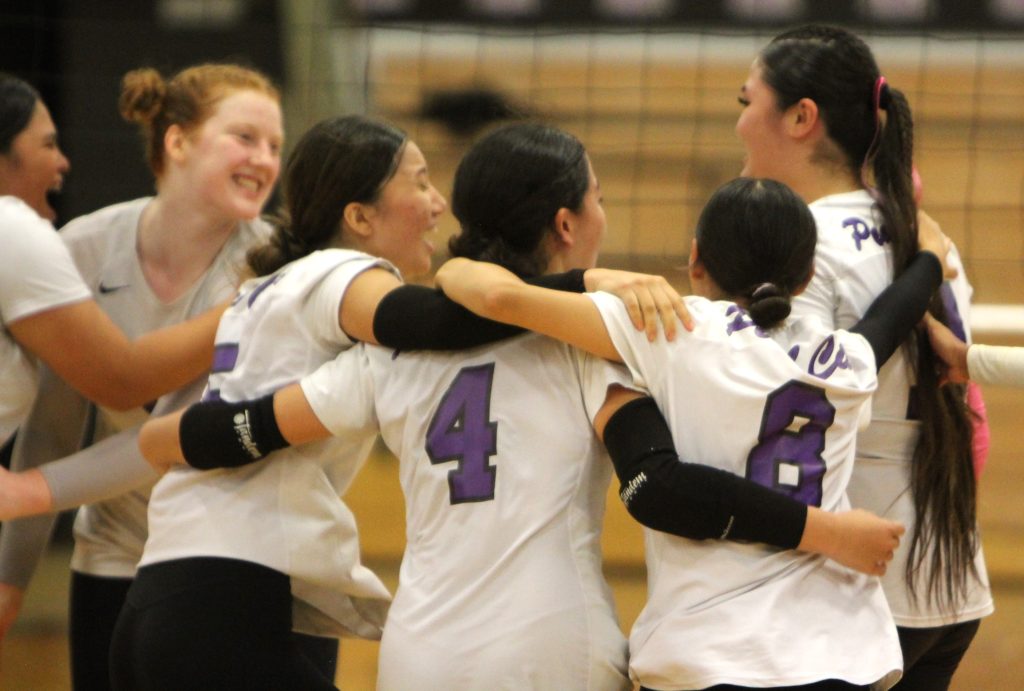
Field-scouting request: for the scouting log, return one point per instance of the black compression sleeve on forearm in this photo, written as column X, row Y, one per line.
column 898, row 308
column 419, row 318
column 688, row 499
column 216, row 434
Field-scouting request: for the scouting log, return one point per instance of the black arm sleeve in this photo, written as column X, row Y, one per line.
column 216, row 434
column 687, row 499
column 420, row 318
column 899, row 308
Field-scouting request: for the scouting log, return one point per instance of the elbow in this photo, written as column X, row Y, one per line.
column 118, row 393
column 117, row 400
column 497, row 303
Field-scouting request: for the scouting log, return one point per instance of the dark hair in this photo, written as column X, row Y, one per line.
column 836, row 70
column 339, row 161
column 187, row 99
column 507, row 190
column 17, row 105
column 756, row 238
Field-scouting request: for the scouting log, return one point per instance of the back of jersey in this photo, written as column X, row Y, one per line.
column 504, row 482
column 781, row 408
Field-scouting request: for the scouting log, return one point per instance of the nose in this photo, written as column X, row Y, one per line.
column 264, row 154
column 63, row 164
column 440, row 203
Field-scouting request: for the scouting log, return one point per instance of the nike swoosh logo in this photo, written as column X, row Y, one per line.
column 110, row 289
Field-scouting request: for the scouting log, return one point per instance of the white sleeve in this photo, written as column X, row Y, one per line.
column 636, row 351
column 38, row 271
column 341, row 393
column 996, row 365
column 325, row 299
column 596, row 375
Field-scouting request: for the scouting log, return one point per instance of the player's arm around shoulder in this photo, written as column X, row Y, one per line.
column 496, row 293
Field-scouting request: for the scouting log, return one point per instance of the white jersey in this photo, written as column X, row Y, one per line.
column 504, row 482
column 853, row 265
column 284, row 512
column 782, row 409
column 38, row 275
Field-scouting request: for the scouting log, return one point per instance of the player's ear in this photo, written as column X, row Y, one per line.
column 564, row 227
column 802, row 118
column 696, row 268
column 175, row 141
column 358, row 218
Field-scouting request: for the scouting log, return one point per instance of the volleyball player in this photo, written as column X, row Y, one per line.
column 775, row 399
column 819, row 116
column 500, row 576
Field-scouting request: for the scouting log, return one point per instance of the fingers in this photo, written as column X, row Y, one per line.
column 633, row 308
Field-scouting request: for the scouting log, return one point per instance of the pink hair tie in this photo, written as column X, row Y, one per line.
column 881, row 95
column 880, row 99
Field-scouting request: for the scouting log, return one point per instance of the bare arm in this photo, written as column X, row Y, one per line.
column 81, row 344
column 495, row 293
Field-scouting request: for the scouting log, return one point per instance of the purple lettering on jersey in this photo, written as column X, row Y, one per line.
column 263, row 286
column 861, row 231
column 794, row 353
column 740, row 321
column 953, row 319
column 829, row 357
column 788, row 458
column 225, row 355
column 462, row 431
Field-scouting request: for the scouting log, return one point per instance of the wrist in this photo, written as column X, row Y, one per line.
column 820, row 532
column 24, row 494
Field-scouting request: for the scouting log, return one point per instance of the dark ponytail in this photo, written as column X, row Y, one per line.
column 871, row 124
column 507, row 190
column 339, row 161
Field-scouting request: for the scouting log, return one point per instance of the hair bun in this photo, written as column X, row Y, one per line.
column 142, row 95
column 764, row 291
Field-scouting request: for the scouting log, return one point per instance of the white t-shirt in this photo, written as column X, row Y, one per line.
column 853, row 264
column 504, row 483
column 285, row 511
column 782, row 409
column 38, row 275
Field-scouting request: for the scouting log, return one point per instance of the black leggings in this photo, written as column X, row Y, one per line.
column 210, row 623
column 95, row 602
column 824, row 685
column 931, row 656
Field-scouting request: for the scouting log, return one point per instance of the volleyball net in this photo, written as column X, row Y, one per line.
column 657, row 109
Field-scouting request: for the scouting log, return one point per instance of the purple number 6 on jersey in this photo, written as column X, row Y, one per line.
column 788, row 456
column 461, row 431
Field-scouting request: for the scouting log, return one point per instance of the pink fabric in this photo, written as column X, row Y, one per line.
column 982, row 435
